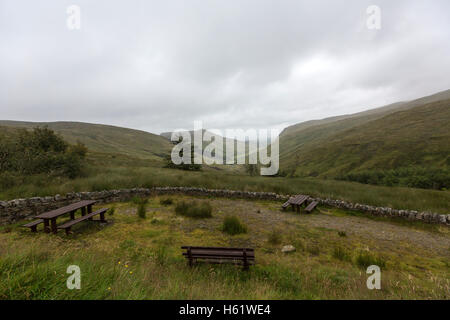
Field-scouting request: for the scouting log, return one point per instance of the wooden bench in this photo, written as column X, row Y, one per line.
column 238, row 256
column 66, row 226
column 33, row 225
column 296, row 202
column 286, row 204
column 311, row 206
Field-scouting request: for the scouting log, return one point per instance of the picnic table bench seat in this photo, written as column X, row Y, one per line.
column 68, row 225
column 238, row 256
column 33, row 225
column 286, row 204
column 311, row 206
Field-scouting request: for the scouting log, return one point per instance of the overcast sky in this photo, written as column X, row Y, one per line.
column 160, row 65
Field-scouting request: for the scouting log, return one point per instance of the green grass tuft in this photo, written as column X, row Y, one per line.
column 194, row 209
column 233, row 226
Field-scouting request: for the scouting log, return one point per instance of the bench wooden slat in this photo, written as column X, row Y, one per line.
column 241, row 256
column 220, row 255
column 218, row 248
column 33, row 224
column 63, row 210
column 70, row 223
column 311, row 206
column 237, row 262
column 222, row 252
column 78, row 220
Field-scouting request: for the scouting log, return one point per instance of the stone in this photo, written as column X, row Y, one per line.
column 287, row 249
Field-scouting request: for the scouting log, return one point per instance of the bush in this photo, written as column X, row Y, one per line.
column 366, row 259
column 41, row 150
column 342, row 233
column 232, row 226
column 166, row 201
column 142, row 210
column 112, row 210
column 194, row 209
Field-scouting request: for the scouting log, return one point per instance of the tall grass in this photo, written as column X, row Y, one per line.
column 194, row 209
column 120, row 177
column 232, row 225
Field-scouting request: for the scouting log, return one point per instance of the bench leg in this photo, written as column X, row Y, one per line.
column 54, row 229
column 83, row 211
column 102, row 217
column 34, row 228
column 67, row 231
column 46, row 226
column 190, row 257
column 89, row 210
column 72, row 215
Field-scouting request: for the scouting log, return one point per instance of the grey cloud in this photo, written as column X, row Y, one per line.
column 160, row 65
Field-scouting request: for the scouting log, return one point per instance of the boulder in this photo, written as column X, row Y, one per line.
column 288, row 249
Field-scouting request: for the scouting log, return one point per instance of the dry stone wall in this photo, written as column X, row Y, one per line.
column 19, row 209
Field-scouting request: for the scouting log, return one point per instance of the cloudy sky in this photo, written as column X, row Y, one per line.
column 160, row 65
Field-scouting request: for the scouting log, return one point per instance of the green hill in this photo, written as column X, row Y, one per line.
column 404, row 135
column 104, row 138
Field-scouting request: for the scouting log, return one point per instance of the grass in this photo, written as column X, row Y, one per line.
column 142, row 210
column 194, row 209
column 275, row 237
column 231, row 225
column 137, row 259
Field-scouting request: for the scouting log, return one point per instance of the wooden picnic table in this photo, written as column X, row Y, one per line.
column 296, row 202
column 51, row 216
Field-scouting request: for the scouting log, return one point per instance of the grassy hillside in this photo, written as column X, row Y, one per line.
column 105, row 139
column 396, row 137
column 298, row 138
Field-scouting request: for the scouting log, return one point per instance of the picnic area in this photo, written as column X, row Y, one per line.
column 136, row 256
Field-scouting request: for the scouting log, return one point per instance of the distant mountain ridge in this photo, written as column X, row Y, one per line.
column 105, row 138
column 401, row 135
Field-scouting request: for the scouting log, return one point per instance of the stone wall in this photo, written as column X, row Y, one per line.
column 19, row 209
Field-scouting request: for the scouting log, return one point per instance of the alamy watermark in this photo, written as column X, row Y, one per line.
column 374, row 19
column 74, row 280
column 73, row 21
column 258, row 146
column 374, row 281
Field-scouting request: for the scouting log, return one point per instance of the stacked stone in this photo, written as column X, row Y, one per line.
column 18, row 209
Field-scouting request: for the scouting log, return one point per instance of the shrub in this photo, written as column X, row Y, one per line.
column 232, row 226
column 166, row 201
column 142, row 210
column 194, row 209
column 275, row 237
column 313, row 250
column 342, row 234
column 112, row 210
column 365, row 259
column 341, row 254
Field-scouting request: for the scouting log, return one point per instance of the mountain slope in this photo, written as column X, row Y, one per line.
column 105, row 138
column 418, row 136
column 296, row 140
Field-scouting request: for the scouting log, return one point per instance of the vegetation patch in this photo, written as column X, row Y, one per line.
column 233, row 226
column 194, row 209
column 365, row 259
column 166, row 201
